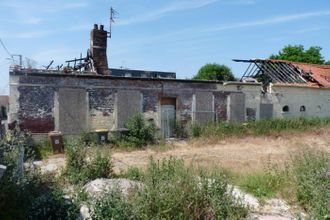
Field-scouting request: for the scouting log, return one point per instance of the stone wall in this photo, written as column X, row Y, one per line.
column 300, row 101
column 42, row 102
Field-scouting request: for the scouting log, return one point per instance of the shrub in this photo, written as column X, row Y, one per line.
column 83, row 165
column 43, row 149
column 309, row 172
column 263, row 184
column 112, row 206
column 26, row 194
column 179, row 131
column 262, row 127
column 140, row 132
column 173, row 191
column 195, row 130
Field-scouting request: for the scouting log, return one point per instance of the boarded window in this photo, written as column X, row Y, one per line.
column 203, row 111
column 128, row 103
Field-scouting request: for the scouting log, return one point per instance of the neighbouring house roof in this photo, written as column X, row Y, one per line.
column 288, row 72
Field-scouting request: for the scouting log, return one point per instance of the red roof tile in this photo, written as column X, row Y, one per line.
column 320, row 73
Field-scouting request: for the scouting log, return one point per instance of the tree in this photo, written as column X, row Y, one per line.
column 327, row 63
column 297, row 53
column 214, row 71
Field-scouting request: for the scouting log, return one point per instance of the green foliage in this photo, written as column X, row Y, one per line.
column 298, row 53
column 170, row 190
column 43, row 149
column 81, row 165
column 310, row 172
column 327, row 63
column 133, row 173
column 263, row 184
column 112, row 206
column 88, row 138
column 261, row 127
column 195, row 130
column 213, row 71
column 29, row 195
column 173, row 191
column 140, row 133
column 179, row 131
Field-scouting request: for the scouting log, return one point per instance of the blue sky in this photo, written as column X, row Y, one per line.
column 167, row 35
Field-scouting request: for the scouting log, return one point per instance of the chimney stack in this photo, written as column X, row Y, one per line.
column 98, row 48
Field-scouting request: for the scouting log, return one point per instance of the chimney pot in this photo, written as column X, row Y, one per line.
column 95, row 27
column 101, row 27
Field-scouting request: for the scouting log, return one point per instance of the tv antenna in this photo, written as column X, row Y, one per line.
column 113, row 16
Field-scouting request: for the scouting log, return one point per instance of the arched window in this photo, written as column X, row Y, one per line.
column 285, row 108
column 302, row 108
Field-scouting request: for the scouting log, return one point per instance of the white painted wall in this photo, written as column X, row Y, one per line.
column 315, row 100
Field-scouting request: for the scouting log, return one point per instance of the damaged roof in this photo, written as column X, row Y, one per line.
column 288, row 72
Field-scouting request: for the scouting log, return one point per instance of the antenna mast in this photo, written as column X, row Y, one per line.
column 113, row 14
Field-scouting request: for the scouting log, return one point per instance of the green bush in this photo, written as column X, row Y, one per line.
column 140, row 132
column 195, row 130
column 83, row 164
column 263, row 184
column 26, row 194
column 173, row 191
column 312, row 183
column 170, row 190
column 112, row 206
column 262, row 127
column 179, row 130
column 43, row 149
column 88, row 138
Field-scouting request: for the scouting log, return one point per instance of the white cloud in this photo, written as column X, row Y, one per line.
column 173, row 7
column 309, row 29
column 32, row 20
column 269, row 21
column 32, row 34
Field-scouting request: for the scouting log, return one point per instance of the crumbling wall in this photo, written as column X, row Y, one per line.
column 301, row 101
column 35, row 112
column 43, row 101
column 253, row 95
column 101, row 108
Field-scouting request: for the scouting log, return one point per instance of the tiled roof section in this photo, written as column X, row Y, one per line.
column 289, row 73
column 320, row 73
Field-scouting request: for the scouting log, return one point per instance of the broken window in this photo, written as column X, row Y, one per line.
column 285, row 108
column 302, row 108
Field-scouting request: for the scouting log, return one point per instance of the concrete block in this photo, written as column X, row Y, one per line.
column 236, row 107
column 204, row 107
column 72, row 111
column 251, row 113
column 266, row 111
column 128, row 103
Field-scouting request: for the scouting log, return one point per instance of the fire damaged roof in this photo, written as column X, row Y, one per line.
column 287, row 72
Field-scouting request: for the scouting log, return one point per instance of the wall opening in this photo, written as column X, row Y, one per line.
column 3, row 113
column 168, row 116
column 302, row 108
column 285, row 108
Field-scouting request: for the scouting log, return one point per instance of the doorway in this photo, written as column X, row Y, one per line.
column 168, row 116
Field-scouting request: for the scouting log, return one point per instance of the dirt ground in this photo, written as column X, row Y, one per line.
column 239, row 155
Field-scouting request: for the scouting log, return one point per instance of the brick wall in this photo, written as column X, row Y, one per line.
column 37, row 94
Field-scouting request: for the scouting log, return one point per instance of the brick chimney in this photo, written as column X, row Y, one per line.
column 98, row 48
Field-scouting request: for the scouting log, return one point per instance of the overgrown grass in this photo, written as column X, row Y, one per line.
column 173, row 191
column 257, row 128
column 263, row 184
column 140, row 133
column 26, row 193
column 310, row 174
column 83, row 164
column 305, row 181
